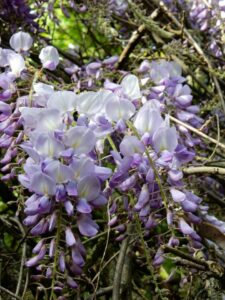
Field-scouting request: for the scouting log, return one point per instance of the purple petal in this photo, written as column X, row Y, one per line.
column 189, row 206
column 69, row 207
column 86, row 225
column 62, row 264
column 88, row 188
column 83, row 206
column 143, row 198
column 71, row 283
column 185, row 228
column 42, row 184
column 177, row 195
column 52, row 221
column 52, row 248
column 77, row 257
column 70, row 239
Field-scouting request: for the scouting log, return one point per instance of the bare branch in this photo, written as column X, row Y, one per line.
column 204, row 169
column 2, row 289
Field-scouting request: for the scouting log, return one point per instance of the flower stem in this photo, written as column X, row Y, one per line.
column 54, row 271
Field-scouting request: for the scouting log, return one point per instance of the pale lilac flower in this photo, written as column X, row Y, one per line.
column 88, row 188
column 81, row 139
column 148, row 119
column 38, row 246
column 185, row 227
column 131, row 145
column 46, row 145
column 42, row 184
column 16, row 63
column 182, row 95
column 52, row 247
column 86, row 225
column 21, row 41
column 42, row 93
column 70, row 239
column 64, row 101
column 177, row 195
column 69, row 208
column 144, row 66
column 48, row 120
column 58, row 171
column 119, row 108
column 165, row 138
column 143, row 197
column 35, row 260
column 49, row 57
column 118, row 6
column 77, row 257
column 92, row 103
column 82, row 166
column 130, row 85
column 4, row 53
column 62, row 263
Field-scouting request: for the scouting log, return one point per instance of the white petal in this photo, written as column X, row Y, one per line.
column 49, row 57
column 91, row 103
column 43, row 89
column 21, row 41
column 131, row 87
column 81, row 139
column 148, row 119
column 117, row 109
column 64, row 101
column 16, row 63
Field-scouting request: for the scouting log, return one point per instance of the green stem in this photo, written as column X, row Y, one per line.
column 113, row 146
column 52, row 295
column 151, row 162
column 35, row 78
column 148, row 257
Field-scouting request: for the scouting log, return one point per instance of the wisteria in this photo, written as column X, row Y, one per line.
column 112, row 151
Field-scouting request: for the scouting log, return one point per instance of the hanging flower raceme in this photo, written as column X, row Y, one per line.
column 120, row 142
column 63, row 179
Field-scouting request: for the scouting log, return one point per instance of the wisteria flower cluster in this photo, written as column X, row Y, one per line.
column 74, row 151
column 207, row 16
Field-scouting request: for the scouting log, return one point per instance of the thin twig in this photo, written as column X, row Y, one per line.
column 204, row 169
column 212, row 266
column 2, row 289
column 198, row 132
column 104, row 253
column 189, row 264
column 106, row 264
column 26, row 284
column 119, row 265
column 0, row 275
column 184, row 255
column 101, row 292
column 196, row 46
column 218, row 198
column 23, row 257
column 135, row 37
column 218, row 139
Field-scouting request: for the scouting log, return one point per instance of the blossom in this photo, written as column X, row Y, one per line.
column 16, row 63
column 49, row 57
column 21, row 41
column 148, row 119
column 165, row 138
